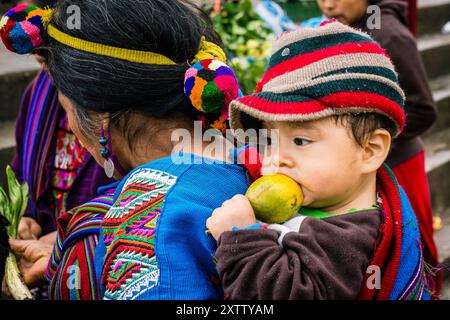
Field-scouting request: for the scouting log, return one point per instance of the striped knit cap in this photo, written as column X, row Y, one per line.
column 318, row 72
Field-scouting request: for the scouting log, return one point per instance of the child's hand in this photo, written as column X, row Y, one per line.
column 236, row 212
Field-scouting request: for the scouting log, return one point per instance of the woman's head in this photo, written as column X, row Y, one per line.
column 93, row 87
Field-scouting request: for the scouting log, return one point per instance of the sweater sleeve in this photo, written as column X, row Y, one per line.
column 325, row 259
column 16, row 164
column 419, row 105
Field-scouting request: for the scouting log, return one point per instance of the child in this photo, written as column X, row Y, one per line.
column 407, row 156
column 333, row 95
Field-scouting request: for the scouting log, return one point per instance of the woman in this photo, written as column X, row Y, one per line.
column 152, row 243
column 60, row 173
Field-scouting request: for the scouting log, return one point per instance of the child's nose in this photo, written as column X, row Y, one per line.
column 286, row 162
column 283, row 160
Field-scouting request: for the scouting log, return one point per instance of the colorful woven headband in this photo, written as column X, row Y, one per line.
column 23, row 28
column 210, row 85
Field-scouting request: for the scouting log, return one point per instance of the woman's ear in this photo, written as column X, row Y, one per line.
column 106, row 121
column 375, row 150
column 42, row 61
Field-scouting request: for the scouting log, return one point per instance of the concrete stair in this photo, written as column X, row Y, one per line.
column 435, row 50
column 433, row 14
column 442, row 238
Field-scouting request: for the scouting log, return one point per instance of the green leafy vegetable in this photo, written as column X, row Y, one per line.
column 13, row 207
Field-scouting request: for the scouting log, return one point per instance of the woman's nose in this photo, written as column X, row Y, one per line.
column 328, row 4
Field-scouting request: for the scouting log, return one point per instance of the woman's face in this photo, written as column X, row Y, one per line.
column 160, row 142
column 344, row 11
column 90, row 143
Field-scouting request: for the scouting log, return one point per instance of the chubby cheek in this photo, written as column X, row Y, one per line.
column 324, row 181
column 316, row 183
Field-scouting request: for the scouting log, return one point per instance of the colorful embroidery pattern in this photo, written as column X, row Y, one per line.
column 69, row 158
column 130, row 266
column 77, row 239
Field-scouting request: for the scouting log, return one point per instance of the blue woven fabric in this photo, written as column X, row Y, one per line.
column 411, row 263
column 183, row 251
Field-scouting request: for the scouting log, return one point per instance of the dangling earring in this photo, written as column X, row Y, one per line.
column 106, row 154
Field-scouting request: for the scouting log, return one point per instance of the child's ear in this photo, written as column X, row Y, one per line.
column 375, row 150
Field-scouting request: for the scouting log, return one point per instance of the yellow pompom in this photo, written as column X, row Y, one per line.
column 47, row 16
column 209, row 50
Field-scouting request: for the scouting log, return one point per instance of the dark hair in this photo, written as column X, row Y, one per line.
column 365, row 123
column 97, row 83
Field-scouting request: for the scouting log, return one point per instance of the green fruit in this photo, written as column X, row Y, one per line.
column 275, row 198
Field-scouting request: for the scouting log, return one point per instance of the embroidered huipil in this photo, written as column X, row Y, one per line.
column 153, row 243
column 69, row 158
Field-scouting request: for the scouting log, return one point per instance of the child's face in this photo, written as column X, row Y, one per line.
column 344, row 11
column 322, row 156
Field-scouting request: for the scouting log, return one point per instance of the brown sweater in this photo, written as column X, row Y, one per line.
column 395, row 37
column 325, row 259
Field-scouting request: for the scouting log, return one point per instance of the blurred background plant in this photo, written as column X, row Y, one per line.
column 299, row 10
column 247, row 34
column 246, row 38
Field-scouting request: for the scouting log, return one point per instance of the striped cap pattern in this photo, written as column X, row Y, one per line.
column 318, row 72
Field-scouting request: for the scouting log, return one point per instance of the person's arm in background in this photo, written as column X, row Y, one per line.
column 419, row 105
column 29, row 229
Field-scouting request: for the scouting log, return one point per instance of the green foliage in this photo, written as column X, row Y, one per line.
column 13, row 207
column 247, row 40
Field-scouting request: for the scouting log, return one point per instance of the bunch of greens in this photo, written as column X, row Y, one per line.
column 12, row 208
column 247, row 40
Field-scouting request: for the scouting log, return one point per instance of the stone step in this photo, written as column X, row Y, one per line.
column 445, row 291
column 432, row 16
column 442, row 239
column 438, row 169
column 7, row 147
column 6, row 157
column 441, row 95
column 16, row 72
column 435, row 51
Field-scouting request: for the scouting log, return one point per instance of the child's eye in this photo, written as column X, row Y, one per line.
column 301, row 141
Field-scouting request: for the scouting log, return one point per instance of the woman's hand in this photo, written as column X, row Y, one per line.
column 236, row 212
column 29, row 229
column 33, row 257
column 49, row 238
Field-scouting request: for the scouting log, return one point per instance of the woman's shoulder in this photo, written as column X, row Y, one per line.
column 198, row 179
column 188, row 170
